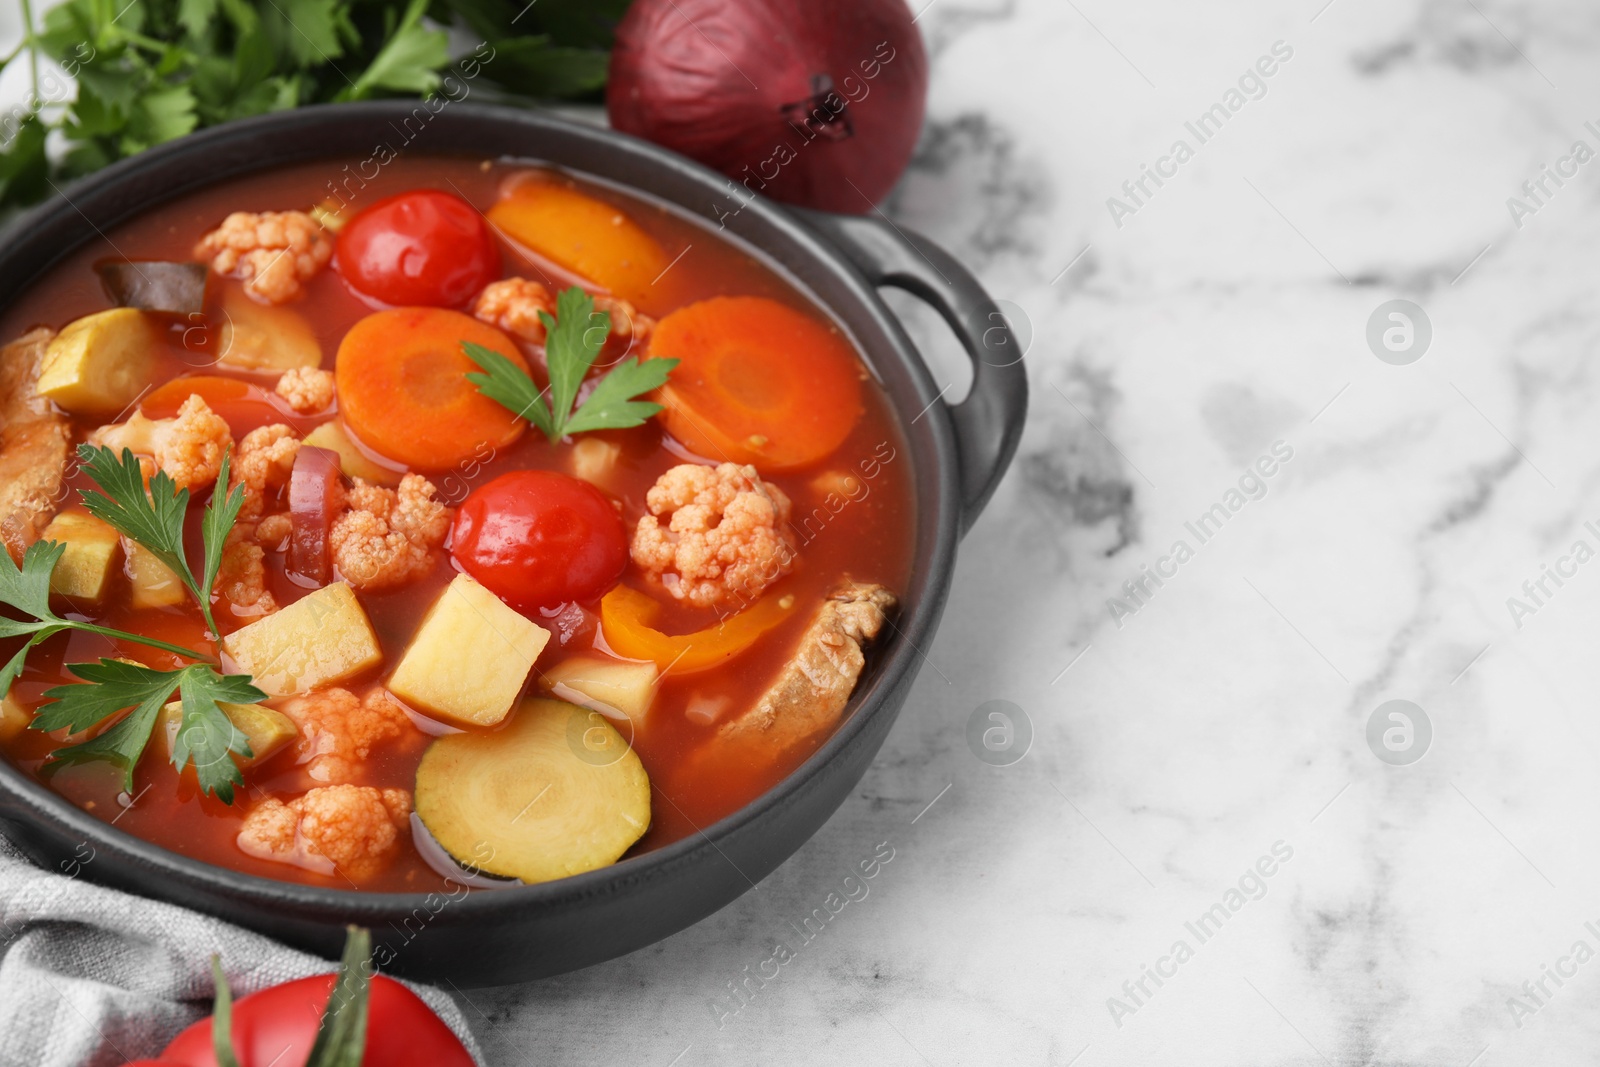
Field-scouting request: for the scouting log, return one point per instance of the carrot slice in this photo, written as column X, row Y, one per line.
column 626, row 615
column 403, row 389
column 244, row 405
column 757, row 382
column 589, row 237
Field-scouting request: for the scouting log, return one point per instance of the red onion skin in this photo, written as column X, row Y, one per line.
column 722, row 82
column 315, row 493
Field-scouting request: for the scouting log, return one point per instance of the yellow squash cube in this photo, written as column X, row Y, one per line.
column 469, row 657
column 258, row 337
column 331, row 435
column 268, row 730
column 84, row 570
column 98, row 364
column 153, row 582
column 614, row 688
column 321, row 638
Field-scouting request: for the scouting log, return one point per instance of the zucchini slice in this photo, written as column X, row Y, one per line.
column 556, row 792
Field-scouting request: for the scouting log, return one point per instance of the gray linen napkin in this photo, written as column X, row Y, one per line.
column 91, row 977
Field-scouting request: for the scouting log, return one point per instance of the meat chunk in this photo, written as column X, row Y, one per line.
column 189, row 446
column 263, row 465
column 35, row 443
column 815, row 685
column 274, row 252
column 351, row 830
column 513, row 305
column 307, row 389
column 725, row 535
column 338, row 731
column 388, row 537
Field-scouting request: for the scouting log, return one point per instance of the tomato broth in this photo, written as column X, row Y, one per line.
column 866, row 534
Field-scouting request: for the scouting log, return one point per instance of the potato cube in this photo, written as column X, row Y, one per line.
column 615, row 688
column 352, row 461
column 98, row 364
column 153, row 582
column 320, row 638
column 594, row 460
column 14, row 718
column 469, row 657
column 268, row 730
column 84, row 570
column 258, row 337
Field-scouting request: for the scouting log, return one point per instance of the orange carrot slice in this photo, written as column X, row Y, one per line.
column 403, row 390
column 758, row 382
column 593, row 239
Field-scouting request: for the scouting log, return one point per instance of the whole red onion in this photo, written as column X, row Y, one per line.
column 814, row 102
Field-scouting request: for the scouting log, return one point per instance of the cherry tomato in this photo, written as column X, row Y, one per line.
column 538, row 539
column 425, row 247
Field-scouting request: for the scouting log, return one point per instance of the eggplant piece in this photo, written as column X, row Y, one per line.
column 154, row 285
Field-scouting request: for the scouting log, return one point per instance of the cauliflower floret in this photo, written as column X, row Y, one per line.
column 351, row 830
column 264, row 462
column 274, row 252
column 388, row 536
column 725, row 536
column 513, row 305
column 189, row 446
column 242, row 577
column 307, row 389
column 338, row 731
column 273, row 531
column 629, row 325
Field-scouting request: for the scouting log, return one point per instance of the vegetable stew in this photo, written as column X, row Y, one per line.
column 470, row 521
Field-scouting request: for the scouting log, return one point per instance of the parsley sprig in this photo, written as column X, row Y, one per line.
column 143, row 72
column 154, row 519
column 573, row 338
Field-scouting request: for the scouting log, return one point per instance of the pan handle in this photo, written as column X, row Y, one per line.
column 988, row 423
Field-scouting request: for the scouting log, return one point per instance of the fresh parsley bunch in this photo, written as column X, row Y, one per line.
column 573, row 338
column 148, row 71
column 153, row 518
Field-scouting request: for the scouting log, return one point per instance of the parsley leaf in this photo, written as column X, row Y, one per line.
column 573, row 338
column 611, row 406
column 222, row 510
column 506, row 384
column 154, row 518
column 408, row 61
column 28, row 590
column 206, row 735
column 151, row 70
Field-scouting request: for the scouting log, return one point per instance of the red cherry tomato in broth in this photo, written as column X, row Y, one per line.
column 425, row 247
column 538, row 539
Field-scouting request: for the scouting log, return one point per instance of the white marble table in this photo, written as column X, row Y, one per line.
column 1227, row 716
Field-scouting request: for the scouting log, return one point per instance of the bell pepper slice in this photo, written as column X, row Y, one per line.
column 626, row 615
